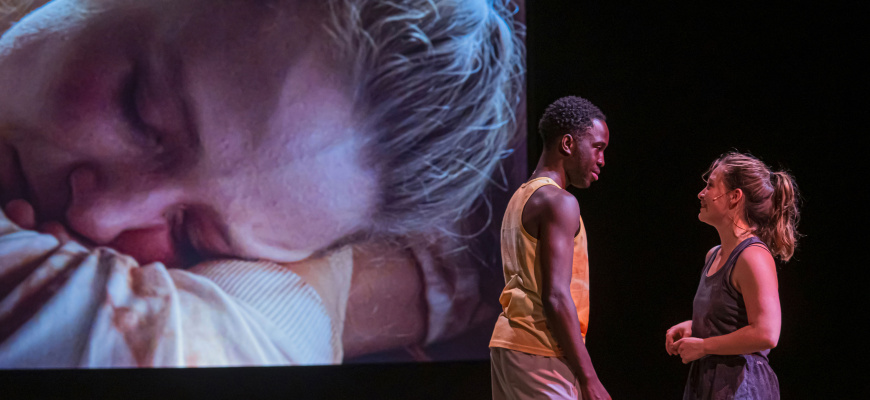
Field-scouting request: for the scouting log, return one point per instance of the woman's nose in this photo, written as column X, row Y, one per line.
column 102, row 207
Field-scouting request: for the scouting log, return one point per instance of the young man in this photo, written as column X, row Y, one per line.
column 537, row 346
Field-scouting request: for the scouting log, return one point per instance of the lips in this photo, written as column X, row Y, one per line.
column 149, row 245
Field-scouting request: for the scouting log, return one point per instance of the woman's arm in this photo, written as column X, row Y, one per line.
column 755, row 277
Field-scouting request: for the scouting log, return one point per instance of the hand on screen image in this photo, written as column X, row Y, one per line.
column 189, row 132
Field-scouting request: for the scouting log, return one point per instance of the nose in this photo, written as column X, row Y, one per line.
column 601, row 159
column 702, row 194
column 129, row 212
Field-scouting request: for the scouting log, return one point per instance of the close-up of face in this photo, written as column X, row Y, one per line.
column 714, row 199
column 590, row 156
column 162, row 128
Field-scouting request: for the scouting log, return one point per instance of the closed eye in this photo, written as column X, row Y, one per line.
column 130, row 96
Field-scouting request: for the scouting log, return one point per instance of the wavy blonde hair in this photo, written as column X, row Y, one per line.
column 437, row 83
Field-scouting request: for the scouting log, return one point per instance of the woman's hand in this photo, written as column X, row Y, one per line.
column 690, row 349
column 677, row 332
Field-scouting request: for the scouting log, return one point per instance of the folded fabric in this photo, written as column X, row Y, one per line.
column 65, row 306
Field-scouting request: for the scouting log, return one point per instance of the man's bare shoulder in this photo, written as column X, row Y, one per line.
column 551, row 202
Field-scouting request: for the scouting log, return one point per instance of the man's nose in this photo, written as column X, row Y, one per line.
column 105, row 205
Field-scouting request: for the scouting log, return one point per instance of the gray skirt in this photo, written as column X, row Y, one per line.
column 741, row 377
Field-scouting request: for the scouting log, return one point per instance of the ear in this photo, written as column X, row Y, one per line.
column 566, row 144
column 736, row 197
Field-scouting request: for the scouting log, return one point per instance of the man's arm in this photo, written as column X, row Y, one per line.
column 559, row 220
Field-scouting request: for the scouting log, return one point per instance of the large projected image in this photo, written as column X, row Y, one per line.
column 238, row 182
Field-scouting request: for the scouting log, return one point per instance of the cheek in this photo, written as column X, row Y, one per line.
column 303, row 210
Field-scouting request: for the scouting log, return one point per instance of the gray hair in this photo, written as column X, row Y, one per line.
column 437, row 83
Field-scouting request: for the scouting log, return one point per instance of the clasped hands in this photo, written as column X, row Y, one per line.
column 679, row 341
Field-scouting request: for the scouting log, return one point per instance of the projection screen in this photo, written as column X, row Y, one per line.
column 254, row 183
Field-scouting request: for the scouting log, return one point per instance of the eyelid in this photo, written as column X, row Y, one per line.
column 131, row 98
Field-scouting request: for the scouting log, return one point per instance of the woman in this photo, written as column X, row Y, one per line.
column 736, row 315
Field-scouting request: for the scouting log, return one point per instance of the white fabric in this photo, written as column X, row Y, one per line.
column 65, row 306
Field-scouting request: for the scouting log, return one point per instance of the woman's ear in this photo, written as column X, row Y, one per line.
column 736, row 197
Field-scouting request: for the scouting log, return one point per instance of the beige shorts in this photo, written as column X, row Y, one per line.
column 518, row 375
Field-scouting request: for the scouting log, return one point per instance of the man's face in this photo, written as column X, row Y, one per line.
column 159, row 126
column 589, row 155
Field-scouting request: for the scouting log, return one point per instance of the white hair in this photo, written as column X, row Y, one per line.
column 436, row 84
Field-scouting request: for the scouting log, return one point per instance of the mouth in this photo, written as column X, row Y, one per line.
column 156, row 244
column 595, row 176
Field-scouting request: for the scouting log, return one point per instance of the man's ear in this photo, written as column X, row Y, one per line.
column 566, row 144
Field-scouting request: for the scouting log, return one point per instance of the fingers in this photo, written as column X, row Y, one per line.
column 21, row 213
column 677, row 345
column 669, row 343
column 57, row 230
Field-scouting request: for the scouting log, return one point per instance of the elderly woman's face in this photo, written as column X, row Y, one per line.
column 156, row 126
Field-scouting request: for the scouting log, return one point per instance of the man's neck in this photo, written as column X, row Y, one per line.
column 551, row 168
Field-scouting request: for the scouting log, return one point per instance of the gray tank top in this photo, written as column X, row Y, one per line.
column 718, row 308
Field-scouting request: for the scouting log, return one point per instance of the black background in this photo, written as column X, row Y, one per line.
column 681, row 82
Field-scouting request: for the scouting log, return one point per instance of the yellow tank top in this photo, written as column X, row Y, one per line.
column 522, row 325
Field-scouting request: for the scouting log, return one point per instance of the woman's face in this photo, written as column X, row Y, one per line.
column 160, row 126
column 714, row 199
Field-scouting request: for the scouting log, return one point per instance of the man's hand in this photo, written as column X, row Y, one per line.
column 594, row 390
column 677, row 332
column 690, row 349
column 21, row 213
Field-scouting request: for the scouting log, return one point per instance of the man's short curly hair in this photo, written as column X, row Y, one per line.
column 568, row 115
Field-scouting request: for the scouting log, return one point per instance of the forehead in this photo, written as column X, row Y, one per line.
column 599, row 132
column 715, row 176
